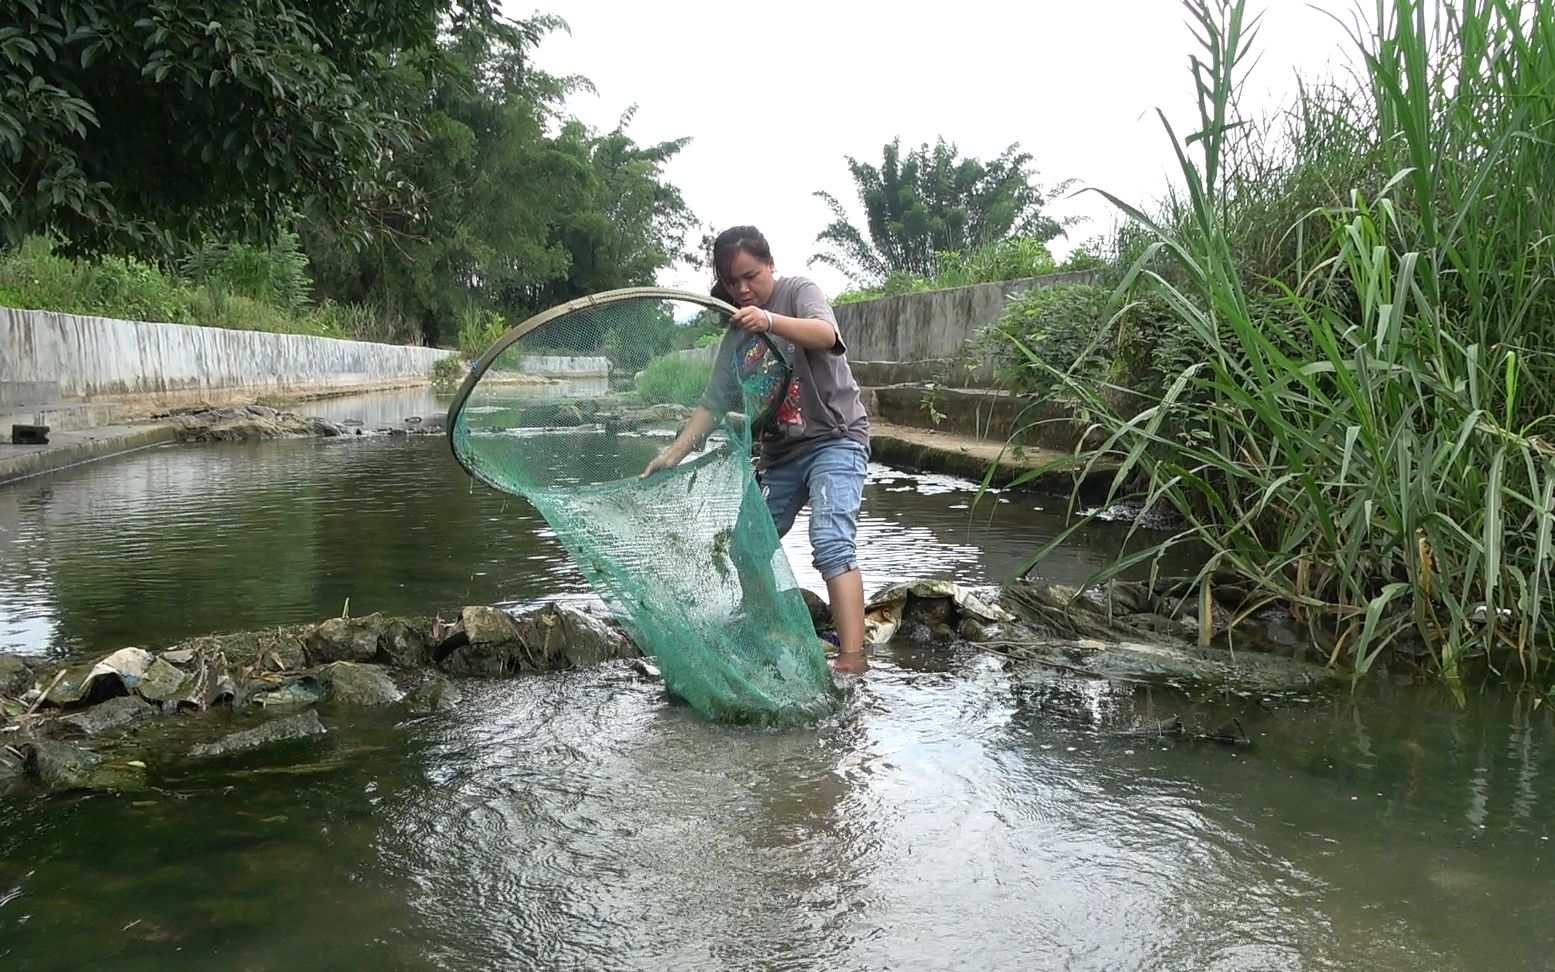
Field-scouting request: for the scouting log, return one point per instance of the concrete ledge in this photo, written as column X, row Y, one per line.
column 73, row 448
column 993, row 416
column 60, row 416
column 923, row 450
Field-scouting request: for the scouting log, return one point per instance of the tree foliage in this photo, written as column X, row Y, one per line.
column 502, row 204
column 129, row 125
column 418, row 154
column 929, row 202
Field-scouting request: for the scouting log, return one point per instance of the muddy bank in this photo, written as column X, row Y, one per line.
column 249, row 423
column 121, row 722
column 246, row 423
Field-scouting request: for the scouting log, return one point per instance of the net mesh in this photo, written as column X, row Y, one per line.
column 568, row 408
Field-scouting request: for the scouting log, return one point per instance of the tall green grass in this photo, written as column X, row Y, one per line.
column 674, row 379
column 1366, row 277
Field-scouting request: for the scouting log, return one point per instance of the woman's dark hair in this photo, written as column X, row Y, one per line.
column 730, row 243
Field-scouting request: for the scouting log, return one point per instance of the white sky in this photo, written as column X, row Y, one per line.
column 774, row 95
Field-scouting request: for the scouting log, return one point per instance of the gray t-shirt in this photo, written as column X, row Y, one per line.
column 823, row 399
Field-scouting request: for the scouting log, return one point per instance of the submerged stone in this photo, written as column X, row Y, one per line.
column 300, row 726
column 112, row 714
column 436, row 695
column 61, row 766
column 12, row 767
column 353, row 684
column 15, row 675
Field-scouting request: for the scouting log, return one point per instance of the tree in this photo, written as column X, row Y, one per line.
column 139, row 125
column 493, row 214
column 932, row 202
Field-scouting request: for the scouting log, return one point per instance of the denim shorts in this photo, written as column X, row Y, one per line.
column 830, row 480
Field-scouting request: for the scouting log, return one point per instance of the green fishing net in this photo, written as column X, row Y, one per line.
column 568, row 408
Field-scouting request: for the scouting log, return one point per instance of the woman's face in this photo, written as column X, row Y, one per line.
column 750, row 281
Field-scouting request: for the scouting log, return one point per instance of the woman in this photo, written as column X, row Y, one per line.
column 816, row 449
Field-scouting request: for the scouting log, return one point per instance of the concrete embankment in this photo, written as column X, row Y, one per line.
column 85, row 358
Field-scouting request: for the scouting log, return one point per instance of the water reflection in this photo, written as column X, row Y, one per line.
column 184, row 540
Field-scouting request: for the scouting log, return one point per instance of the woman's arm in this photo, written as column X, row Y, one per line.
column 810, row 333
column 693, row 435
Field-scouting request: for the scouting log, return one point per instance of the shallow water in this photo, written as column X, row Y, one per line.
column 189, row 539
column 943, row 820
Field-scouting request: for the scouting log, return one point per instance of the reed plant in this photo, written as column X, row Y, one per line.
column 1362, row 430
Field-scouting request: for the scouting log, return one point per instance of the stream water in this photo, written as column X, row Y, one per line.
column 582, row 820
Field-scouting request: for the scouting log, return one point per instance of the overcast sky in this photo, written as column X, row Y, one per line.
column 774, row 95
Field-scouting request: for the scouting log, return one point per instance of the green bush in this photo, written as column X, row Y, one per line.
column 479, row 330
column 275, row 275
column 1006, row 260
column 449, row 371
column 1065, row 328
column 674, row 379
column 894, row 285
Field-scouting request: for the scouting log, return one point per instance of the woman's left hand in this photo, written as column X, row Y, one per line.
column 753, row 320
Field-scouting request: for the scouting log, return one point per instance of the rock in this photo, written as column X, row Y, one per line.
column 114, row 675
column 303, row 690
column 489, row 625
column 344, row 639
column 974, row 630
column 12, row 767
column 300, row 726
column 665, row 412
column 323, row 427
column 61, row 766
column 820, row 611
column 489, row 643
column 932, row 611
column 436, row 695
column 565, row 637
column 210, row 681
column 248, row 423
column 113, row 714
column 568, row 415
column 15, row 676
column 405, row 646
column 163, row 681
column 353, row 684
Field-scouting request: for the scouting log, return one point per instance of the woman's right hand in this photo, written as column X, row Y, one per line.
column 668, row 459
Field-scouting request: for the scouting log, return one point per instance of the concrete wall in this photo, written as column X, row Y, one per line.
column 554, row 366
column 936, row 324
column 91, row 357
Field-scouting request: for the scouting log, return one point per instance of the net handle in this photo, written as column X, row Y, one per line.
column 517, row 332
